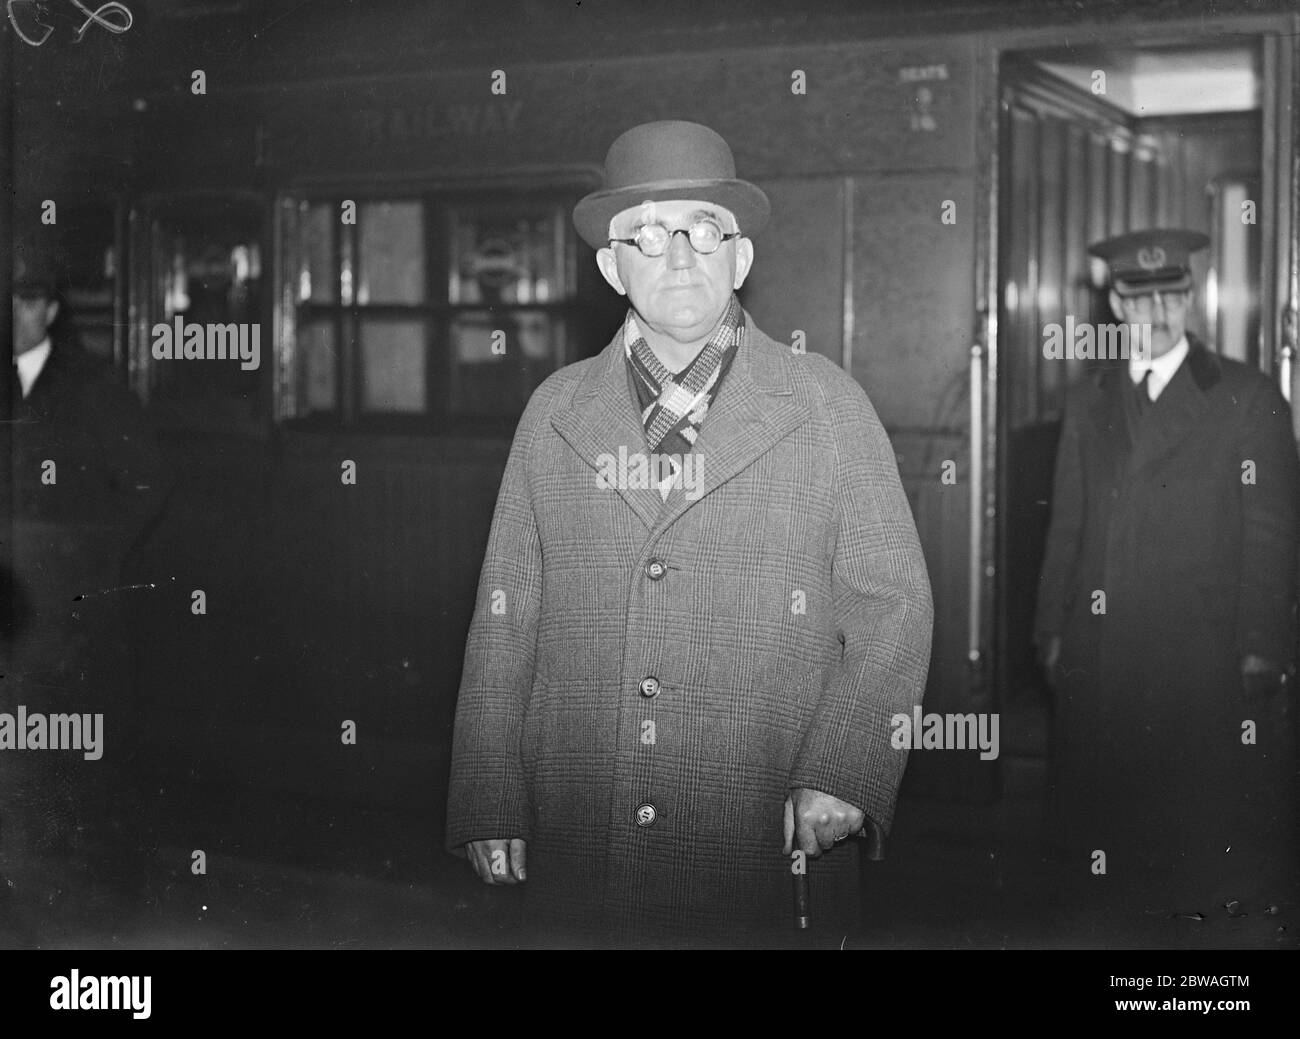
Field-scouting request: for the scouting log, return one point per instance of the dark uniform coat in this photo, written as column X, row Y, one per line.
column 1186, row 520
column 785, row 615
column 68, row 650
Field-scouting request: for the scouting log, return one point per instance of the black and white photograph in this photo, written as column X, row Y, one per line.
column 580, row 475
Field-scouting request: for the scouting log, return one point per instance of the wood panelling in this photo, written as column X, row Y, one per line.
column 410, row 532
column 1077, row 172
column 914, row 295
column 1202, row 149
column 941, row 512
column 797, row 281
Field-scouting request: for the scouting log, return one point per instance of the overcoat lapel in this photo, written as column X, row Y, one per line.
column 754, row 411
column 603, row 418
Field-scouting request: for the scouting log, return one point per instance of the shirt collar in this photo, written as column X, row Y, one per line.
column 31, row 364
column 1162, row 368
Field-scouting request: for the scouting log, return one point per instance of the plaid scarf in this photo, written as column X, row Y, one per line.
column 673, row 405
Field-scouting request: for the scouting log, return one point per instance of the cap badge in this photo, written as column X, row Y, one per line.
column 1151, row 259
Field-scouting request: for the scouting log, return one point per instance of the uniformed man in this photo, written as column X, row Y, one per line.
column 703, row 599
column 1166, row 611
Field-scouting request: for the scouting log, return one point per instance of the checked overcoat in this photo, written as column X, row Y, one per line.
column 782, row 606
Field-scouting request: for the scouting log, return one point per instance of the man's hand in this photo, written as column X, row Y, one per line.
column 813, row 821
column 499, row 861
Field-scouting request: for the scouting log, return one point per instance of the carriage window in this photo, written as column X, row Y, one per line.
column 503, row 254
column 392, row 253
column 433, row 313
column 317, row 279
column 393, row 376
column 317, row 369
column 480, row 384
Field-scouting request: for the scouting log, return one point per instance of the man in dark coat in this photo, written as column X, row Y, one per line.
column 703, row 600
column 88, row 478
column 1167, row 613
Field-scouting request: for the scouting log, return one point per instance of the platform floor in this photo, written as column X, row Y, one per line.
column 957, row 876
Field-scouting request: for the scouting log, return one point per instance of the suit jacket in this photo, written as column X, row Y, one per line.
column 1185, row 520
column 88, row 479
column 110, row 476
column 789, row 621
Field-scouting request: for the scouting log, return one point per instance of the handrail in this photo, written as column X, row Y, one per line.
column 974, row 651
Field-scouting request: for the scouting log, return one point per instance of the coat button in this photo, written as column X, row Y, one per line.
column 649, row 687
column 655, row 569
column 645, row 815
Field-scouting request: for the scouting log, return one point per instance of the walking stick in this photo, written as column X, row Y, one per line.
column 802, row 919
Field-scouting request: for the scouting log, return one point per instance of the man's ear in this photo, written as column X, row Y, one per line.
column 608, row 264
column 744, row 261
column 1116, row 304
column 51, row 311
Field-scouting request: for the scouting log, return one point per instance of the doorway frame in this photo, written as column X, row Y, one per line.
column 1280, row 262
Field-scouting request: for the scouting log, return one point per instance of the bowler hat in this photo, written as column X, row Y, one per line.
column 36, row 267
column 670, row 159
column 1153, row 260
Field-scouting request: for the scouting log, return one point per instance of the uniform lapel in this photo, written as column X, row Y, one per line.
column 1113, row 417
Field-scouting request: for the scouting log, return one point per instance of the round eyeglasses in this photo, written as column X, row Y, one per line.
column 1176, row 299
column 652, row 239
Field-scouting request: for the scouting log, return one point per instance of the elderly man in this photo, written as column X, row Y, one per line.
column 1166, row 611
column 702, row 602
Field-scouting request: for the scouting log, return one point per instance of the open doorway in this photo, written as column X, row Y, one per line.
column 1095, row 142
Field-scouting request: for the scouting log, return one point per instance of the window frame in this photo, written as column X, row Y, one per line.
column 140, row 220
column 441, row 199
